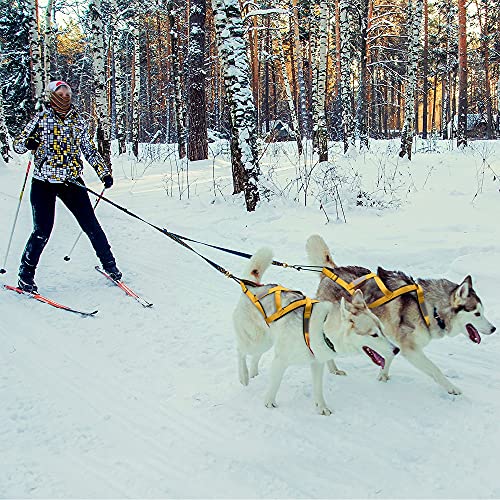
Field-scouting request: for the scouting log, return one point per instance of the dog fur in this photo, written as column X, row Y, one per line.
column 458, row 308
column 349, row 326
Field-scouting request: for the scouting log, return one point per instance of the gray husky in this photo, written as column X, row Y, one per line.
column 453, row 309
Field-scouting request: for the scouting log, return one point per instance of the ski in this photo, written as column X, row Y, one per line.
column 125, row 288
column 48, row 301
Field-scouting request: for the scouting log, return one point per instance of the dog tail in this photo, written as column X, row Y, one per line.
column 259, row 262
column 318, row 252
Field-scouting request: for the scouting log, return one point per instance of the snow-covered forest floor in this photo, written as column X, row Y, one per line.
column 147, row 403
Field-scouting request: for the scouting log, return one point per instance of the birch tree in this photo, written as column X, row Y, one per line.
column 36, row 57
column 415, row 11
column 345, row 75
column 362, row 111
column 462, row 75
column 320, row 132
column 233, row 54
column 176, row 79
column 136, row 88
column 99, row 54
column 198, row 139
column 48, row 42
column 4, row 134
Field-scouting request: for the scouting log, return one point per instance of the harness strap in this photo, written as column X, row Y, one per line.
column 388, row 295
column 306, row 302
column 306, row 320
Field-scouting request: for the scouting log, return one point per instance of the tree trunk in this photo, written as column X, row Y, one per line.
column 4, row 134
column 320, row 132
column 233, row 54
column 425, row 67
column 136, row 90
column 345, row 75
column 36, row 60
column 362, row 108
column 414, row 24
column 101, row 96
column 197, row 116
column 288, row 89
column 301, row 84
column 176, row 77
column 48, row 42
column 462, row 72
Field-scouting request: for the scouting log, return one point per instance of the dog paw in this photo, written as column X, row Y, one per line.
column 253, row 373
column 323, row 410
column 342, row 373
column 244, row 381
column 271, row 404
column 454, row 390
column 383, row 377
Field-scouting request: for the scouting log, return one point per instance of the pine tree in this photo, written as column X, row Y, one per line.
column 15, row 76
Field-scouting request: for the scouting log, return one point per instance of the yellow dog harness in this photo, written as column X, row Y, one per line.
column 306, row 302
column 388, row 295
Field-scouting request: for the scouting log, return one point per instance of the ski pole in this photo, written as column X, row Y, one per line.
column 3, row 270
column 68, row 257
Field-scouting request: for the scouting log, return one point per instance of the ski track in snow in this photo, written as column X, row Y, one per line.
column 146, row 402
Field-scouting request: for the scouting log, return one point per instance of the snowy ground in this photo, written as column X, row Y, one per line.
column 146, row 402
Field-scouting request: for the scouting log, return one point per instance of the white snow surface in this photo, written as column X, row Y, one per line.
column 146, row 403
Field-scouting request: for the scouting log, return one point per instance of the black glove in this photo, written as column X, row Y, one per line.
column 32, row 142
column 107, row 181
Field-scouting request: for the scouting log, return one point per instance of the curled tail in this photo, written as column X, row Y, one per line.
column 318, row 252
column 259, row 262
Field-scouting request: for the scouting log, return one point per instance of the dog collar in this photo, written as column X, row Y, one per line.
column 439, row 320
column 328, row 342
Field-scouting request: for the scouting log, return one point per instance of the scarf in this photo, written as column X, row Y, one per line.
column 60, row 105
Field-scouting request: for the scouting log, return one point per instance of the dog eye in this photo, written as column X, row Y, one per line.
column 477, row 314
column 374, row 335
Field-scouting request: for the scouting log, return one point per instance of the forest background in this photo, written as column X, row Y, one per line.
column 191, row 72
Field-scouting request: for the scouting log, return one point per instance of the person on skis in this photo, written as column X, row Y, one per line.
column 58, row 135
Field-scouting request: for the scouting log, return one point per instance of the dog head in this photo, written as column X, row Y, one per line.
column 467, row 313
column 363, row 331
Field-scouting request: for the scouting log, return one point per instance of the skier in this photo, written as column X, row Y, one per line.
column 57, row 135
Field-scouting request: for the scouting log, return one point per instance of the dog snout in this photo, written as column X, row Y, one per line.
column 396, row 350
column 493, row 329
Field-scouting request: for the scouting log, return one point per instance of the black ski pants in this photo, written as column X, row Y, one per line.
column 43, row 203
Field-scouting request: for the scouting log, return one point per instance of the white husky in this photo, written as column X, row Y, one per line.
column 453, row 308
column 334, row 329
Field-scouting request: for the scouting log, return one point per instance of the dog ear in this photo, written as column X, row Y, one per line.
column 358, row 300
column 462, row 292
column 344, row 313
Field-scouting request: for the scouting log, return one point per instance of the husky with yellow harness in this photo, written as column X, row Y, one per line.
column 413, row 312
column 302, row 330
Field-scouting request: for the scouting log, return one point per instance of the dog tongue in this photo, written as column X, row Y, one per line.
column 473, row 333
column 374, row 356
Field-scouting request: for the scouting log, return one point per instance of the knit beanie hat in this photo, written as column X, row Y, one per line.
column 59, row 104
column 53, row 86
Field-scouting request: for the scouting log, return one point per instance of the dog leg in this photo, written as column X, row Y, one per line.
column 254, row 365
column 332, row 367
column 317, row 382
column 419, row 360
column 242, row 368
column 383, row 375
column 278, row 368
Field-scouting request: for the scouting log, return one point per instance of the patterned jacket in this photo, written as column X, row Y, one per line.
column 57, row 157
